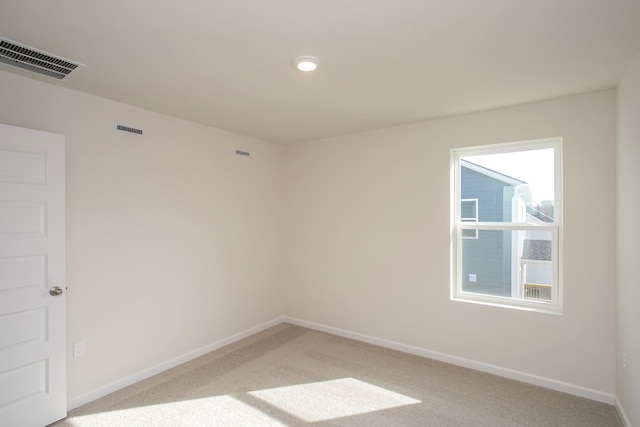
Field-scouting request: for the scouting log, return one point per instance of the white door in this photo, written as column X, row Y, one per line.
column 32, row 271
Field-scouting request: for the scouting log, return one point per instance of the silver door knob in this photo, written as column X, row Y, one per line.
column 55, row 291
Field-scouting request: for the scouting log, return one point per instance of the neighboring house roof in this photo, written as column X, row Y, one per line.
column 540, row 216
column 491, row 173
column 536, row 249
column 521, row 187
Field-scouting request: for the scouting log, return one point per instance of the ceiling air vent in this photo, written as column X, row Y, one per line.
column 30, row 59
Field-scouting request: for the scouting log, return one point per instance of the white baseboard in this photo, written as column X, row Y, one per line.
column 622, row 413
column 467, row 363
column 161, row 367
column 454, row 360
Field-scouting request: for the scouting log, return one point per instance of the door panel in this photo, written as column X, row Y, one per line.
column 22, row 220
column 22, row 164
column 20, row 328
column 32, row 261
column 23, row 272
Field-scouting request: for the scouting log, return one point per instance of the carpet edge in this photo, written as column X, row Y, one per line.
column 166, row 365
column 524, row 377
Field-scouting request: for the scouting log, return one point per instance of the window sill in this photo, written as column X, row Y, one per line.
column 521, row 305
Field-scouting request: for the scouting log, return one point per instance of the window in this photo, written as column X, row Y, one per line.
column 469, row 213
column 507, row 211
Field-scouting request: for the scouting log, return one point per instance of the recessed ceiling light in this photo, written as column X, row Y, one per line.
column 306, row 63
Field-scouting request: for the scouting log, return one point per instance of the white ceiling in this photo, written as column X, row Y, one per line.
column 227, row 63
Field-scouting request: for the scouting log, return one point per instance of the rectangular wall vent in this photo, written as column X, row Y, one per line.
column 129, row 129
column 30, row 59
column 243, row 153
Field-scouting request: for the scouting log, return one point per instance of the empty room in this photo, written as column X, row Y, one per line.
column 285, row 212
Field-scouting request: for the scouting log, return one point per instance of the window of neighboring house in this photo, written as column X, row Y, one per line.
column 469, row 213
column 507, row 211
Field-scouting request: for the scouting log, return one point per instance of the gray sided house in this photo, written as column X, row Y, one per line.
column 489, row 196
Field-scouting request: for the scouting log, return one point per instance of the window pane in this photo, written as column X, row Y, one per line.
column 510, row 187
column 509, row 263
column 469, row 234
column 468, row 210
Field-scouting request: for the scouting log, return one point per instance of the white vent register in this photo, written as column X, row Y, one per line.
column 36, row 61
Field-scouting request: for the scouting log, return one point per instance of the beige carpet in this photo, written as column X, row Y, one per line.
column 288, row 375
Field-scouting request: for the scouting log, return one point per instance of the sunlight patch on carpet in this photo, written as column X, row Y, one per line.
column 331, row 399
column 217, row 410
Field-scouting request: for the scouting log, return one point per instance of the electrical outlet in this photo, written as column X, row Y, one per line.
column 624, row 362
column 79, row 348
column 312, row 293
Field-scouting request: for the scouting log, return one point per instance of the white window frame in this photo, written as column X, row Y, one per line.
column 555, row 228
column 470, row 219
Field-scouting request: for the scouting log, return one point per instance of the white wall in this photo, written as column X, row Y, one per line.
column 368, row 219
column 173, row 241
column 628, row 252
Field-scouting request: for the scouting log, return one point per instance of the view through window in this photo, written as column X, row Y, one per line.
column 507, row 215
